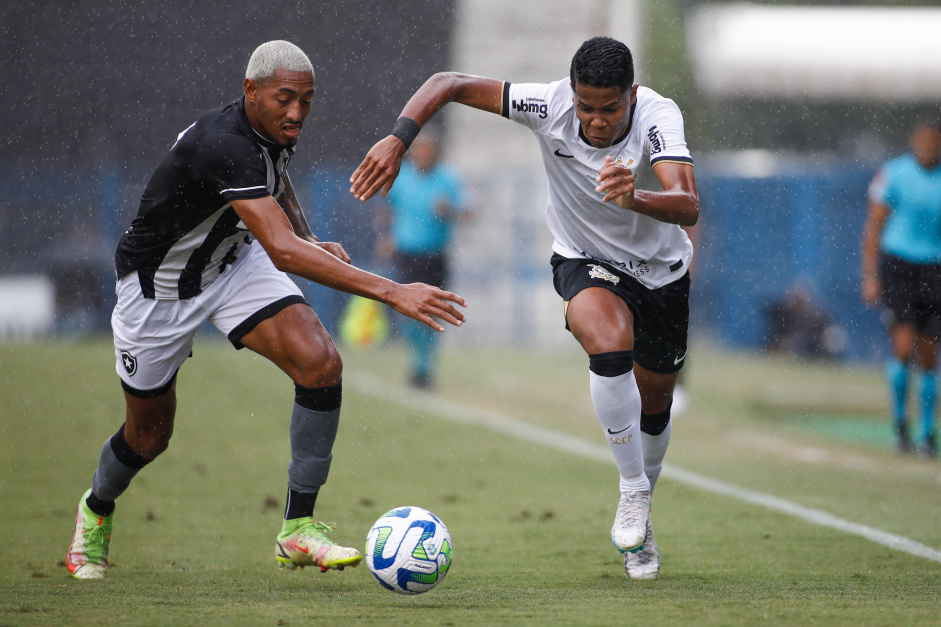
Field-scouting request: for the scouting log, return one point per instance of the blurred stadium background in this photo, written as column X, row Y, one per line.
column 789, row 109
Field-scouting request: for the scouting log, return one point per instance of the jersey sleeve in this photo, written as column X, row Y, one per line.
column 664, row 139
column 535, row 105
column 233, row 166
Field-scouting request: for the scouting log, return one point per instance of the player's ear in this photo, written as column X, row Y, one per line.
column 633, row 97
column 251, row 90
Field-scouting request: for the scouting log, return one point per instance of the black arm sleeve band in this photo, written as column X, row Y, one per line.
column 406, row 129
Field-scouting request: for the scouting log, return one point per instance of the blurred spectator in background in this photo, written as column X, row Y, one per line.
column 901, row 252
column 422, row 207
column 798, row 325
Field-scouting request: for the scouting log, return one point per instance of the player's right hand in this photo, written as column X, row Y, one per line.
column 378, row 170
column 425, row 303
column 616, row 181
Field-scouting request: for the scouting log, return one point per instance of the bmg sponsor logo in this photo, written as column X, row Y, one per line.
column 657, row 143
column 532, row 105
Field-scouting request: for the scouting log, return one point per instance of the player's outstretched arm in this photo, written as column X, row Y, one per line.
column 294, row 255
column 380, row 168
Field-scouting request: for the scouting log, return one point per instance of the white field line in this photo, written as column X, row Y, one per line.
column 441, row 407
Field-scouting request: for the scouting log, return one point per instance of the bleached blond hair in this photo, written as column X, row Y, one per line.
column 274, row 55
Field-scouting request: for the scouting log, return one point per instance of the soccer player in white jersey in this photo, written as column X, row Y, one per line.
column 620, row 257
column 217, row 229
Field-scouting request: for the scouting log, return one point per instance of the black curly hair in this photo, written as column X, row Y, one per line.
column 603, row 62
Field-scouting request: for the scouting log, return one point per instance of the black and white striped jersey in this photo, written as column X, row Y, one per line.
column 186, row 233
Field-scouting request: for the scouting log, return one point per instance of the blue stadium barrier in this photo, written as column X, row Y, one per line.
column 759, row 236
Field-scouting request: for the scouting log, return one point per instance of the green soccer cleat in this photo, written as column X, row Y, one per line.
column 88, row 553
column 303, row 542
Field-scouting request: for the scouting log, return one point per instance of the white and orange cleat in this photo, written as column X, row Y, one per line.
column 88, row 553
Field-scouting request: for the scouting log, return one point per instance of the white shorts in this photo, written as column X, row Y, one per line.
column 152, row 338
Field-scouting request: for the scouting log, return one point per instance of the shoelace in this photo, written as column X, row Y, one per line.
column 318, row 529
column 630, row 510
column 95, row 541
column 641, row 558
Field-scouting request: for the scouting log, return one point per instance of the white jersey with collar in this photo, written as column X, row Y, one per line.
column 656, row 253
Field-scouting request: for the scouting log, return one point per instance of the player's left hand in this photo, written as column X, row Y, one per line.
column 335, row 249
column 378, row 170
column 617, row 182
column 425, row 303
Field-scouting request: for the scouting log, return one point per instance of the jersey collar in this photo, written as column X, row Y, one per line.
column 620, row 138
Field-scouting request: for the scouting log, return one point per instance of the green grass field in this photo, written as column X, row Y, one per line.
column 194, row 535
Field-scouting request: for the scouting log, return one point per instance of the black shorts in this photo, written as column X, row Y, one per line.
column 661, row 316
column 431, row 269
column 911, row 293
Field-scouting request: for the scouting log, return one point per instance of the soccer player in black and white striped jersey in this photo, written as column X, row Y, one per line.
column 620, row 257
column 218, row 227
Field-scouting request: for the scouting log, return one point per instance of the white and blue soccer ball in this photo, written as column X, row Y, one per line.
column 408, row 550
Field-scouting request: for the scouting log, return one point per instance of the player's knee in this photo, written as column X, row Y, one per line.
column 320, row 368
column 656, row 404
column 156, row 444
column 656, row 395
column 151, row 442
column 605, row 338
column 927, row 356
column 594, row 334
column 904, row 354
column 149, row 425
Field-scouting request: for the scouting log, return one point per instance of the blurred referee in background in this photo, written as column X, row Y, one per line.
column 901, row 252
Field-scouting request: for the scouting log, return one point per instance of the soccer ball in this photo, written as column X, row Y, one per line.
column 408, row 550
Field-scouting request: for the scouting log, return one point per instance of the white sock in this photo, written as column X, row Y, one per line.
column 617, row 405
column 655, row 447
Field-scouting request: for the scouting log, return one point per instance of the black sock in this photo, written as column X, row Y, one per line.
column 102, row 508
column 299, row 505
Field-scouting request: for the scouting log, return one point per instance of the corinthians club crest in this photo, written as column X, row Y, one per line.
column 600, row 272
column 130, row 363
